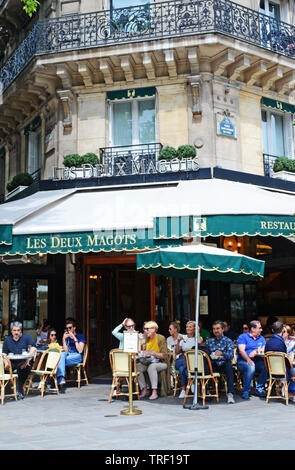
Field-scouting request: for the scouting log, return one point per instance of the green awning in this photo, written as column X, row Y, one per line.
column 5, row 234
column 215, row 264
column 84, row 242
column 227, row 225
column 278, row 105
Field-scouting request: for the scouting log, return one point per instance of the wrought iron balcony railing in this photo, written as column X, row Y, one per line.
column 127, row 160
column 268, row 162
column 145, row 22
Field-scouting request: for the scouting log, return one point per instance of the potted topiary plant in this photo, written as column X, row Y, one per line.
column 90, row 158
column 73, row 159
column 284, row 168
column 186, row 151
column 167, row 153
column 18, row 183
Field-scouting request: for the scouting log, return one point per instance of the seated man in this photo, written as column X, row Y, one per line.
column 223, row 347
column 248, row 360
column 73, row 345
column 277, row 343
column 15, row 344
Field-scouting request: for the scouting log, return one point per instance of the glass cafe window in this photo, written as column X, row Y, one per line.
column 28, row 301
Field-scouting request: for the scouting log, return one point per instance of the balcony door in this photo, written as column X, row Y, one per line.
column 132, row 122
column 271, row 9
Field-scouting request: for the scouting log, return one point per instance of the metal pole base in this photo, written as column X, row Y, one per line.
column 131, row 412
column 196, row 407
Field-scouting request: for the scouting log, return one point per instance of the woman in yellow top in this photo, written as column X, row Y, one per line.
column 155, row 347
column 51, row 340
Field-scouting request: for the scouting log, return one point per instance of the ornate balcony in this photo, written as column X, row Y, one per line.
column 150, row 22
column 125, row 160
column 268, row 162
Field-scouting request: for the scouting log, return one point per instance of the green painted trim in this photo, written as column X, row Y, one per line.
column 227, row 225
column 131, row 93
column 278, row 105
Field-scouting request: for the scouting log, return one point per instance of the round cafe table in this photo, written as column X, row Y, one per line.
column 14, row 357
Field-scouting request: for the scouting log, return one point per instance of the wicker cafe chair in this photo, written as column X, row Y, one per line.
column 275, row 363
column 237, row 373
column 119, row 361
column 78, row 368
column 203, row 379
column 7, row 377
column 50, row 359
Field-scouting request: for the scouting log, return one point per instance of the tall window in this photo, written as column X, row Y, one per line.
column 2, row 172
column 132, row 122
column 277, row 134
column 34, row 151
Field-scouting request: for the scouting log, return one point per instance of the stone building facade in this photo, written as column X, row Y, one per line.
column 217, row 75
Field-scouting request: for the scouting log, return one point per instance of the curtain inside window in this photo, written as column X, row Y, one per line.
column 146, row 121
column 34, row 152
column 122, row 123
column 277, row 135
column 265, row 142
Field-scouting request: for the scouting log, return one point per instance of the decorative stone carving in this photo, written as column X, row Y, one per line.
column 66, row 98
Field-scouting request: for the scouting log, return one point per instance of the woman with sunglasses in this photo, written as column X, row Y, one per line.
column 52, row 340
column 128, row 324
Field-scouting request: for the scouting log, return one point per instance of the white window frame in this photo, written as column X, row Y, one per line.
column 134, row 110
column 288, row 131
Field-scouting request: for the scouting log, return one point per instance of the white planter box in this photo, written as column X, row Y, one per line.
column 284, row 175
column 15, row 191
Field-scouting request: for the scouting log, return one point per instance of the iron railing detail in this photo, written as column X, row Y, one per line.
column 127, row 160
column 174, row 18
column 268, row 162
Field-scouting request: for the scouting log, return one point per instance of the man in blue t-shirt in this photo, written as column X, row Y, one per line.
column 249, row 361
column 15, row 344
column 73, row 345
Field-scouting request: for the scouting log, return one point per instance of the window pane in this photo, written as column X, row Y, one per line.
column 274, row 11
column 28, row 301
column 128, row 3
column 264, row 133
column 277, row 135
column 2, row 174
column 34, row 151
column 122, row 123
column 146, row 121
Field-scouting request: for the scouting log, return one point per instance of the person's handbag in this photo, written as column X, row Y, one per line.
column 146, row 360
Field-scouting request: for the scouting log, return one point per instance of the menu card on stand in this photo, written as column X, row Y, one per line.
column 130, row 341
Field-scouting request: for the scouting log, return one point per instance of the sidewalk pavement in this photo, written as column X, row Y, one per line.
column 84, row 420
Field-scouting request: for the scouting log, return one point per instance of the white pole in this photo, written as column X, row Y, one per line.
column 195, row 405
column 198, row 282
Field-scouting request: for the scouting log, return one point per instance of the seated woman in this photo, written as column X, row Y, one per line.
column 52, row 342
column 128, row 324
column 154, row 346
column 184, row 343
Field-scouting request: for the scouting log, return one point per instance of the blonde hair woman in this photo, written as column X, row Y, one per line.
column 154, row 348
